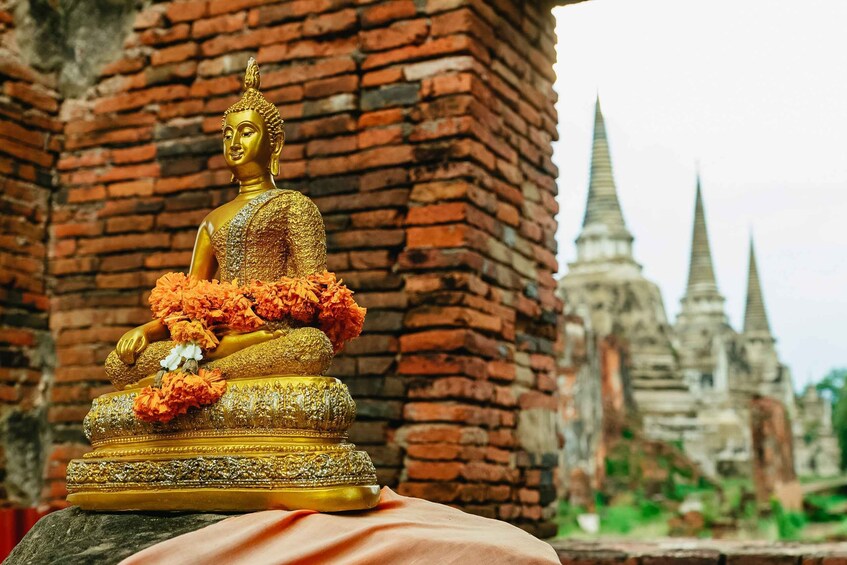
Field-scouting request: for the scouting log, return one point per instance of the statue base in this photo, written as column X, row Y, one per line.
column 272, row 442
column 330, row 499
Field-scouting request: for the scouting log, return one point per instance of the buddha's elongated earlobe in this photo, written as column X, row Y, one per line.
column 273, row 166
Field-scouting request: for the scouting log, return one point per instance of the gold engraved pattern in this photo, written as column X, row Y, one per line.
column 316, row 404
column 282, row 236
column 236, row 241
column 304, row 469
column 115, row 452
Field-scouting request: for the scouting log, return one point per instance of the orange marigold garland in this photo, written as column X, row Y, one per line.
column 194, row 309
column 186, row 331
column 180, row 391
column 340, row 318
column 288, row 297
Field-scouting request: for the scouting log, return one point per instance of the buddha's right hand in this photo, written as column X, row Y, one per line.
column 233, row 342
column 131, row 345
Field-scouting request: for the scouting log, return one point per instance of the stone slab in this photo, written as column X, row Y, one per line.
column 75, row 537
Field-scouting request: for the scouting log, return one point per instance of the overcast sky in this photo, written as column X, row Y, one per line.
column 755, row 91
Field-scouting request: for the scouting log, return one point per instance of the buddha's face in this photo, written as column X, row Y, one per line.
column 248, row 147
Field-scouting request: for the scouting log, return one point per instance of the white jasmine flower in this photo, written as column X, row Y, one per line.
column 180, row 353
column 171, row 362
column 192, row 351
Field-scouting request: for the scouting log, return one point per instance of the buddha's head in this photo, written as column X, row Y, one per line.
column 252, row 131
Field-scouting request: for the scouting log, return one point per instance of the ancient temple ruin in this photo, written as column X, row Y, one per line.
column 605, row 285
column 691, row 383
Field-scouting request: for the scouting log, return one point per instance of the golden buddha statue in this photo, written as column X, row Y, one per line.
column 258, row 310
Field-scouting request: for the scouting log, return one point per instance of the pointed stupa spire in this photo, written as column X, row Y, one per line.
column 702, row 306
column 603, row 206
column 755, row 316
column 604, row 239
column 701, row 273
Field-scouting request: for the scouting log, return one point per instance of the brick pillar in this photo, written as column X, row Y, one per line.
column 476, row 349
column 28, row 127
column 422, row 129
column 773, row 454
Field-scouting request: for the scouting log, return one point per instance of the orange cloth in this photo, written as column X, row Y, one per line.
column 399, row 530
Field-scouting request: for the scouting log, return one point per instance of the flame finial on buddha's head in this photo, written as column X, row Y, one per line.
column 253, row 99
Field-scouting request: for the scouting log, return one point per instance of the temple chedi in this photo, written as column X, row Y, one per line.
column 605, row 286
column 769, row 376
column 692, row 383
column 706, row 345
column 702, row 324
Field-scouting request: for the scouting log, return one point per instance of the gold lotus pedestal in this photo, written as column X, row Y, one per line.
column 271, row 442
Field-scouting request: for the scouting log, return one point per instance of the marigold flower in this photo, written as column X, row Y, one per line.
column 149, row 406
column 340, row 318
column 166, row 298
column 194, row 331
column 180, row 392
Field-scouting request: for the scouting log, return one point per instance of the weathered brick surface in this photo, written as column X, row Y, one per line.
column 28, row 144
column 698, row 552
column 423, row 132
column 773, row 455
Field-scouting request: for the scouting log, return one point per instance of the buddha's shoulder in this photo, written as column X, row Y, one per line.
column 295, row 201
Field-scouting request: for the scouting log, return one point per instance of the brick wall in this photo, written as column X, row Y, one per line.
column 422, row 129
column 28, row 144
column 698, row 552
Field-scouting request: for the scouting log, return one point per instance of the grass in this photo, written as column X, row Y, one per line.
column 633, row 515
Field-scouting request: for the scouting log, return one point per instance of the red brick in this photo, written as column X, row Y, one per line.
column 329, row 86
column 177, row 109
column 454, row 235
column 96, row 246
column 188, row 10
column 306, row 49
column 32, row 96
column 175, row 184
column 86, row 194
column 134, row 154
column 381, row 136
column 335, row 22
column 177, row 259
column 17, row 337
column 76, row 229
column 148, row 18
column 438, row 47
column 389, row 11
column 396, row 35
column 443, row 492
column 127, row 101
column 223, row 6
column 163, row 36
column 226, row 23
column 381, row 117
column 382, row 76
column 173, row 54
column 17, row 132
column 423, row 470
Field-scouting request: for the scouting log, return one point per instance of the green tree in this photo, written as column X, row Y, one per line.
column 832, row 384
column 834, row 387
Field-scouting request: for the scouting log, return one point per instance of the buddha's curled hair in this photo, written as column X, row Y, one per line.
column 252, row 99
